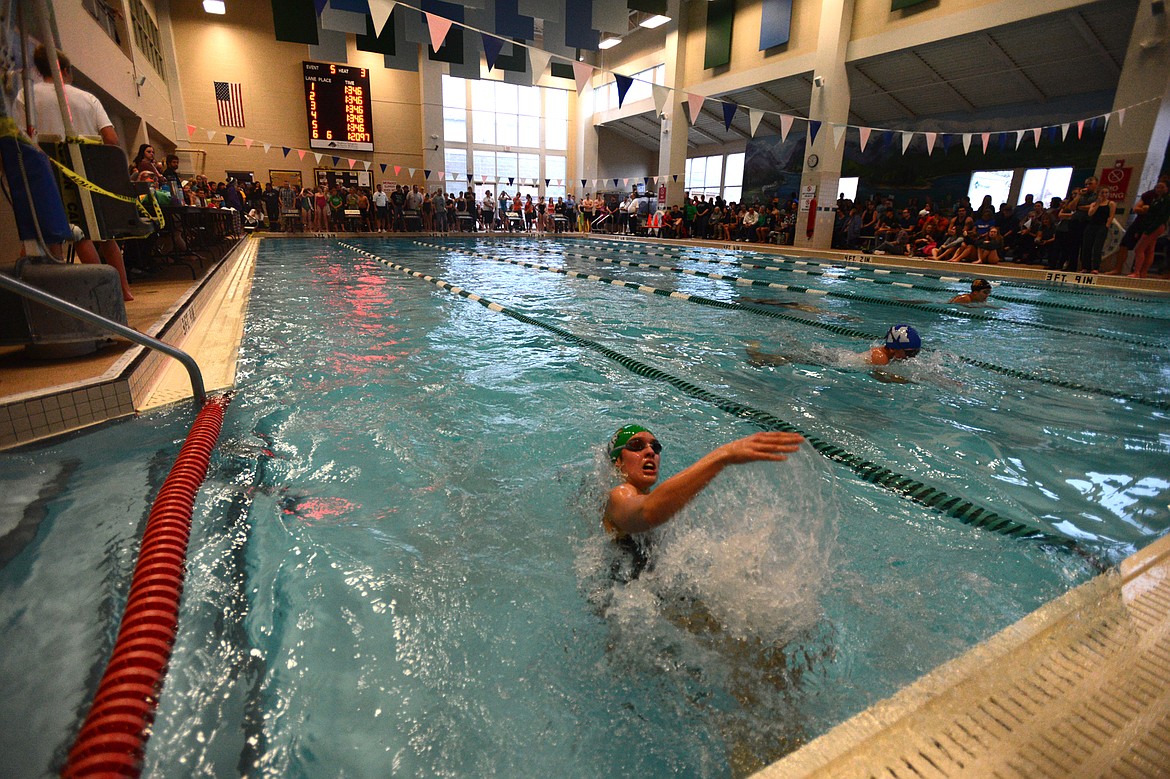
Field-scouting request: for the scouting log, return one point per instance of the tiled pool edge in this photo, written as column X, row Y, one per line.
column 65, row 408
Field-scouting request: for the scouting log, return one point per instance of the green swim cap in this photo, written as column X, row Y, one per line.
column 624, row 434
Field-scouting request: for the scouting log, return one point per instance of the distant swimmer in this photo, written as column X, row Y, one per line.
column 902, row 342
column 797, row 306
column 632, row 508
column 980, row 291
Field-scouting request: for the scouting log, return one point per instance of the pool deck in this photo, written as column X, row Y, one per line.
column 1078, row 688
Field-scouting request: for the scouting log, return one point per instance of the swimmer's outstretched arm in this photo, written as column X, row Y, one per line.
column 631, row 511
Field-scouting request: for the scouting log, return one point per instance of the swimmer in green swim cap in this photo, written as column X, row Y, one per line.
column 632, row 507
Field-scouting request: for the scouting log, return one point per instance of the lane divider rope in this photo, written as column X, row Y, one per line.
column 1075, row 290
column 1163, row 405
column 933, row 308
column 112, row 741
column 957, row 508
column 905, row 285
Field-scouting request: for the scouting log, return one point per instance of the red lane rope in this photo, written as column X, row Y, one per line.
column 112, row 741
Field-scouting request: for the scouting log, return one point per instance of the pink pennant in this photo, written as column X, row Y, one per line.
column 930, row 139
column 582, row 72
column 986, row 140
column 301, row 154
column 1080, row 128
column 397, row 169
column 694, row 105
column 351, row 162
column 863, row 133
column 248, row 143
column 190, row 129
column 439, row 27
column 785, row 125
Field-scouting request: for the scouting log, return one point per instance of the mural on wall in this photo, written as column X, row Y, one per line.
column 772, row 166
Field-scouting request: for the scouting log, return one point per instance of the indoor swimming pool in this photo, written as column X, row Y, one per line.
column 397, row 566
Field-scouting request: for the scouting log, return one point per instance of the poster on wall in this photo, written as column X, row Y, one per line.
column 280, row 178
column 342, row 178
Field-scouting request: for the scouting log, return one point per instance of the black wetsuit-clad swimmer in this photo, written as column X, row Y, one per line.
column 632, row 508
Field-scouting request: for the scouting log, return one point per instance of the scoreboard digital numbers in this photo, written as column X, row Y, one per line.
column 337, row 101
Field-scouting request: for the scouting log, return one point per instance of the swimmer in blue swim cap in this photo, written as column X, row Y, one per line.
column 632, row 508
column 902, row 343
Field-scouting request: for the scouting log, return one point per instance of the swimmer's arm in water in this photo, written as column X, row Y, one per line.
column 757, row 357
column 631, row 511
column 885, row 377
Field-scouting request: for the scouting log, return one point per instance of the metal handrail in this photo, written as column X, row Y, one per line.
column 65, row 307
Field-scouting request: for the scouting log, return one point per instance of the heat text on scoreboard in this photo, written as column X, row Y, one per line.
column 337, row 104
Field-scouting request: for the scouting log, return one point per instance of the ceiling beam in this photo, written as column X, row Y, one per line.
column 1094, row 42
column 1013, row 70
column 940, row 81
column 880, row 91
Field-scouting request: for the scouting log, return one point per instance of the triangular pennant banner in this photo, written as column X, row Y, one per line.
column 468, row 175
column 398, row 169
column 511, row 180
column 930, row 139
column 814, row 127
column 230, row 138
column 863, row 136
column 426, row 174
column 615, row 182
column 1064, row 131
column 906, row 138
column 210, row 134
column 838, row 134
column 351, row 162
column 318, row 156
column 785, row 125
column 411, row 171
column 438, row 27
column 694, row 105
column 380, row 12
column 336, row 160
column 661, row 95
column 1080, row 128
column 267, row 147
column 190, row 129
column 1019, row 138
column 383, row 166
column 755, row 116
column 1036, row 136
column 539, row 60
column 366, row 164
column 301, row 154
column 547, row 182
column 728, row 114
column 1121, row 117
column 286, row 150
column 986, row 140
column 583, row 185
column 623, row 86
column 491, row 49
column 967, row 142
column 248, row 143
column 582, row 72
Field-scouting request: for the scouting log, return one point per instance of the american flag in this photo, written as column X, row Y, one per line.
column 230, row 102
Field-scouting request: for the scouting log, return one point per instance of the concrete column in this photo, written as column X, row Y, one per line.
column 585, row 164
column 1143, row 88
column 672, row 145
column 430, row 82
column 830, row 104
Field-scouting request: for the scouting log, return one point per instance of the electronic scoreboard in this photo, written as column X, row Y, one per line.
column 337, row 101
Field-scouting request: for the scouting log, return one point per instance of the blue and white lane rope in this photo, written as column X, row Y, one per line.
column 904, row 486
column 1156, row 403
column 673, row 252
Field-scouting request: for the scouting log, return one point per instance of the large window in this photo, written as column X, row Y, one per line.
column 605, row 97
column 716, row 176
column 502, row 131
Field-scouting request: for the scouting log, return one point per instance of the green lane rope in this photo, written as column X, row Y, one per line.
column 900, row 304
column 957, row 508
column 1072, row 290
column 1163, row 405
column 905, row 285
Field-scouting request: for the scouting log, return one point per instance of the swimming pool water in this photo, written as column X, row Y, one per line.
column 397, row 566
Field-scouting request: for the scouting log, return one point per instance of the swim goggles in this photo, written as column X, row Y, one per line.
column 638, row 444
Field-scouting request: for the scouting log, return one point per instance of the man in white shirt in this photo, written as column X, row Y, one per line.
column 382, row 209
column 89, row 120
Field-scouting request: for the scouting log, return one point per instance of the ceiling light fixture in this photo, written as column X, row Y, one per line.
column 214, row 7
column 609, row 43
column 654, row 21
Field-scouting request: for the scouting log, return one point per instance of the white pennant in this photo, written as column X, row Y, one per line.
column 906, row 138
column 1121, row 118
column 366, row 163
column 380, row 12
column 694, row 106
column 210, row 134
column 661, row 95
column 1036, row 136
column 755, row 116
column 267, row 146
column 318, row 156
column 838, row 134
column 411, row 171
column 1019, row 137
column 966, row 143
column 539, row 60
column 1064, row 131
